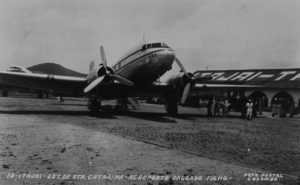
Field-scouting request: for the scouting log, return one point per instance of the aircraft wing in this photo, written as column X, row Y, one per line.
column 118, row 90
column 64, row 85
column 73, row 86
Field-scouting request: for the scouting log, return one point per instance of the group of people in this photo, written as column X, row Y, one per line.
column 218, row 108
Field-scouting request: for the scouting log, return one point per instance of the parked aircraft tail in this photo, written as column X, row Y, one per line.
column 92, row 66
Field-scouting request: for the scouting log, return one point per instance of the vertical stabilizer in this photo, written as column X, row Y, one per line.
column 92, row 66
column 144, row 39
column 92, row 71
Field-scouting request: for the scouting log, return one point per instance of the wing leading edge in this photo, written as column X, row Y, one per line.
column 66, row 85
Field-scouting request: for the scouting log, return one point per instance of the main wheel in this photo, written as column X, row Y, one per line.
column 40, row 95
column 4, row 93
column 171, row 106
column 94, row 105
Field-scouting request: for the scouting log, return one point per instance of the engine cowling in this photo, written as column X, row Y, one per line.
column 98, row 72
column 179, row 81
column 101, row 70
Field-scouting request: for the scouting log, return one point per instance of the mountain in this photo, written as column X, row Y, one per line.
column 56, row 69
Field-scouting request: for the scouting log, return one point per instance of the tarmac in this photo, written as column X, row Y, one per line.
column 46, row 142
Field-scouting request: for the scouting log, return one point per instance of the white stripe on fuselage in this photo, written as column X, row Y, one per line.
column 140, row 56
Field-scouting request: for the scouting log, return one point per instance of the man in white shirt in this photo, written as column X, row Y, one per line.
column 249, row 106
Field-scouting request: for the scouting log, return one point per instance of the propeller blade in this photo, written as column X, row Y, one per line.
column 181, row 66
column 93, row 84
column 103, row 58
column 121, row 79
column 185, row 93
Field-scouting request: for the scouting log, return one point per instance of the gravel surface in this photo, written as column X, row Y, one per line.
column 45, row 137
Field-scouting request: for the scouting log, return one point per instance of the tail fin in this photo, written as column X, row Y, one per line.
column 92, row 71
column 92, row 66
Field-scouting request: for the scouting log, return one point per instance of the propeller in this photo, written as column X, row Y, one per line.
column 191, row 80
column 185, row 93
column 93, row 84
column 103, row 58
column 107, row 75
column 121, row 79
column 180, row 65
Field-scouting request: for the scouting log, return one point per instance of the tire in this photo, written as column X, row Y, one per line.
column 171, row 107
column 4, row 93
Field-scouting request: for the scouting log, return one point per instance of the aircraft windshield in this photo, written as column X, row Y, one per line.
column 164, row 45
column 155, row 45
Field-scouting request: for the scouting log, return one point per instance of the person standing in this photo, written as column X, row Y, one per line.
column 249, row 107
column 255, row 108
column 218, row 108
column 211, row 107
column 275, row 107
column 226, row 108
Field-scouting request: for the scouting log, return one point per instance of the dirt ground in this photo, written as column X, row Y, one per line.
column 46, row 137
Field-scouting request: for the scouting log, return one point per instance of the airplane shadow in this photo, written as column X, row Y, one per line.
column 157, row 117
column 111, row 114
column 49, row 112
column 149, row 116
column 70, row 104
column 80, row 113
column 187, row 116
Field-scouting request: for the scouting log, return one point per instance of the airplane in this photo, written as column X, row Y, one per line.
column 19, row 69
column 133, row 75
column 13, row 68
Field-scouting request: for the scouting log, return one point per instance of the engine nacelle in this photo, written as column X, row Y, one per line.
column 101, row 70
column 179, row 81
column 98, row 72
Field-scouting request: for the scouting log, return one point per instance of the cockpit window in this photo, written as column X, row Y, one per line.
column 164, row 45
column 155, row 45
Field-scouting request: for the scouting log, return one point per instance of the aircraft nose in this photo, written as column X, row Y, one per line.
column 168, row 55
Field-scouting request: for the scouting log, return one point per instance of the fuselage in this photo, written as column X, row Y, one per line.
column 145, row 63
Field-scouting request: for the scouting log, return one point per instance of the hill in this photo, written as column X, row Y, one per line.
column 56, row 69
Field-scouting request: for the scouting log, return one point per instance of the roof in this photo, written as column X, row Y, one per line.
column 271, row 78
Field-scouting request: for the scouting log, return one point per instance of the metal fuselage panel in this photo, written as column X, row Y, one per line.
column 144, row 66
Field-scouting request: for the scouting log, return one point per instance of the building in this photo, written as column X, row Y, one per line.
column 268, row 86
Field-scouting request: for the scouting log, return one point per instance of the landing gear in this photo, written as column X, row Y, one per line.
column 171, row 106
column 122, row 104
column 40, row 94
column 4, row 93
column 94, row 104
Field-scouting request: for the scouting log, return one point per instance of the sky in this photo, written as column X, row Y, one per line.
column 205, row 34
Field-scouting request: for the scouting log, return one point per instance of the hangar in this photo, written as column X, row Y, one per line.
column 268, row 86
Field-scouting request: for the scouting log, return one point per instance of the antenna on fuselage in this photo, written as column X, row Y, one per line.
column 144, row 39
